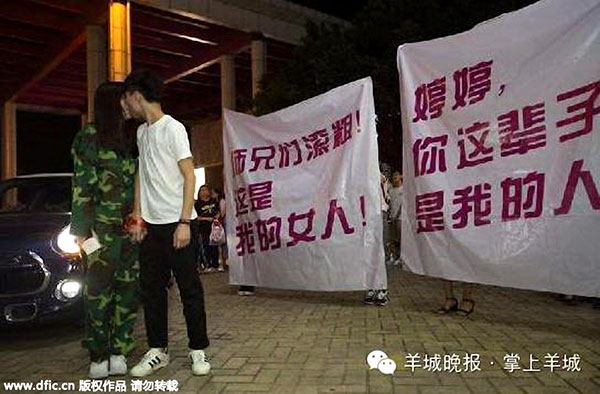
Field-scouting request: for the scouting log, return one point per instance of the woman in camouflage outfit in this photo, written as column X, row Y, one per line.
column 103, row 196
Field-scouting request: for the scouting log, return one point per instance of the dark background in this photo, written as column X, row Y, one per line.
column 345, row 9
column 44, row 142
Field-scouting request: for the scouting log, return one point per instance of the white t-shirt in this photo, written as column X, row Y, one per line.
column 162, row 145
column 395, row 202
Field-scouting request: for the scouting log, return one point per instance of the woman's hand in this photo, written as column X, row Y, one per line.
column 136, row 228
column 137, row 233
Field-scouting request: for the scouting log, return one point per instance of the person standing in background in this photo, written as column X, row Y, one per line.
column 208, row 212
column 395, row 213
column 224, row 253
column 384, row 198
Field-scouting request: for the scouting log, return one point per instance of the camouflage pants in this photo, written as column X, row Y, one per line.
column 111, row 298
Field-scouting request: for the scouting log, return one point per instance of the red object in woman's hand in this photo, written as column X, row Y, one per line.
column 134, row 222
column 135, row 228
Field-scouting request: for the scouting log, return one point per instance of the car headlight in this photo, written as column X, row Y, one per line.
column 66, row 242
column 67, row 289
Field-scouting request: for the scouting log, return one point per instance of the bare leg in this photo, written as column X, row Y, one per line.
column 467, row 298
column 467, row 290
column 448, row 289
column 450, row 303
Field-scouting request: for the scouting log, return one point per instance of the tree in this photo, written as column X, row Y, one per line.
column 330, row 56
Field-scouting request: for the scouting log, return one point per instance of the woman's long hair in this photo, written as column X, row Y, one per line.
column 114, row 132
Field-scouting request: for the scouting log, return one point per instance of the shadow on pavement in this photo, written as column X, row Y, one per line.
column 27, row 337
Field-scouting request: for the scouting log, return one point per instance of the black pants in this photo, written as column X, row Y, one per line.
column 158, row 258
column 211, row 252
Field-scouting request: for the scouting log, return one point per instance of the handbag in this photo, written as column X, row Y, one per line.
column 217, row 234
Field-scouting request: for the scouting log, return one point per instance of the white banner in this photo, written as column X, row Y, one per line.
column 303, row 209
column 502, row 151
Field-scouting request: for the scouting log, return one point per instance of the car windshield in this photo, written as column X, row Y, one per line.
column 36, row 195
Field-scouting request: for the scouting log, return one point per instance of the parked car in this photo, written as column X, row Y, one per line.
column 41, row 269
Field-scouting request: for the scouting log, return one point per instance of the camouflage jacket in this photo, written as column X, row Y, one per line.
column 103, row 187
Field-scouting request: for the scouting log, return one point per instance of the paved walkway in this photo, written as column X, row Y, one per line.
column 302, row 342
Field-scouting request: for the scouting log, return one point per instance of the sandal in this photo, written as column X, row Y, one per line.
column 467, row 312
column 444, row 310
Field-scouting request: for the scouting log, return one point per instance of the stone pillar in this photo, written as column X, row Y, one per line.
column 228, row 82
column 228, row 101
column 97, row 63
column 259, row 62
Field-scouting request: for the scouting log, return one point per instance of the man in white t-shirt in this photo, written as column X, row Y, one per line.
column 165, row 201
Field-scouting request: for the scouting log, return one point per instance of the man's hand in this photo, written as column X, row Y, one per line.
column 182, row 236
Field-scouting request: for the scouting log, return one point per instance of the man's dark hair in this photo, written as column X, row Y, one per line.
column 114, row 132
column 148, row 82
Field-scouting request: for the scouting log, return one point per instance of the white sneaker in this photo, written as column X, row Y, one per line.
column 245, row 293
column 153, row 360
column 117, row 365
column 200, row 365
column 221, row 269
column 98, row 370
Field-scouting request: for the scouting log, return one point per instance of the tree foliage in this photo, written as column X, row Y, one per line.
column 330, row 56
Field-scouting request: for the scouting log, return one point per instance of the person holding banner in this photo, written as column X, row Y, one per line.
column 165, row 187
column 451, row 303
column 379, row 297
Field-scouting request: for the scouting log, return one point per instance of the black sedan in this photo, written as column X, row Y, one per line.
column 41, row 270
